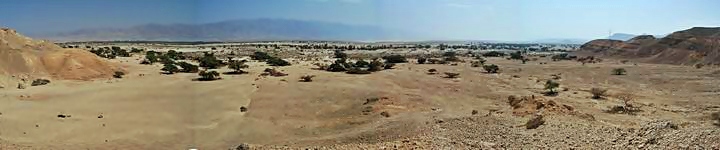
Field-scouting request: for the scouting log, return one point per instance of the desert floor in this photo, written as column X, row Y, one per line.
column 427, row 111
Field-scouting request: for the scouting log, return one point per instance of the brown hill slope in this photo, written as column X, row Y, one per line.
column 27, row 58
column 698, row 45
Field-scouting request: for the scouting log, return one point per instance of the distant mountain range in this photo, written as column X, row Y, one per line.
column 698, row 45
column 625, row 36
column 236, row 30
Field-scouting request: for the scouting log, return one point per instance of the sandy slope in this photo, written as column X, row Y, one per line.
column 157, row 111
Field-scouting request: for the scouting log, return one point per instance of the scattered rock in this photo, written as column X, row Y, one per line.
column 371, row 100
column 63, row 116
column 38, row 82
column 535, row 122
column 242, row 146
column 385, row 114
column 243, row 109
column 21, row 86
column 100, row 116
column 474, row 112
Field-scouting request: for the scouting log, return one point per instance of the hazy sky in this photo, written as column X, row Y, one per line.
column 444, row 19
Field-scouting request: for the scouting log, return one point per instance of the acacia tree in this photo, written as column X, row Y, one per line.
column 170, row 68
column 238, row 66
column 208, row 75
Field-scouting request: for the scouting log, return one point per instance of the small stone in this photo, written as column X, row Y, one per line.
column 100, row 116
column 243, row 109
column 385, row 114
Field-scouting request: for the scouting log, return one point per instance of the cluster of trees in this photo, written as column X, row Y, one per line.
column 563, row 56
column 110, row 52
column 270, row 60
column 362, row 66
column 169, row 61
column 493, row 54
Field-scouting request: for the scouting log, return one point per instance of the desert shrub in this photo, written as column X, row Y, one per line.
column 188, row 68
column 698, row 66
column 493, row 54
column 38, row 82
column 172, row 54
column 277, row 62
column 336, row 67
column 340, row 54
column 619, row 71
column 118, row 74
column 362, row 63
column 356, row 70
column 451, row 58
column 307, row 78
column 389, row 66
column 151, row 57
column 432, row 71
column 273, row 72
column 135, row 50
column 421, row 60
column 237, row 66
column 376, row 65
column 170, row 68
column 628, row 107
column 395, row 59
column 208, row 75
column 597, row 93
column 261, row 56
column 449, row 54
column 551, row 85
column 563, row 56
column 517, row 55
column 452, row 75
column 492, row 68
column 209, row 61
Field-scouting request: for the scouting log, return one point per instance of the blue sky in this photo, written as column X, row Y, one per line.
column 511, row 20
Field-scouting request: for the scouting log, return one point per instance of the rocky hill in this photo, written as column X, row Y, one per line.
column 698, row 45
column 22, row 58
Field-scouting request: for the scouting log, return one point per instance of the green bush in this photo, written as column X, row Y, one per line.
column 336, row 67
column 188, row 68
column 493, row 54
column 376, row 65
column 362, row 63
column 170, row 68
column 261, row 56
column 619, row 71
column 517, row 55
column 551, row 85
column 421, row 60
column 340, row 54
column 395, row 59
column 237, row 66
column 209, row 61
column 277, row 62
column 208, row 75
column 492, row 68
column 356, row 70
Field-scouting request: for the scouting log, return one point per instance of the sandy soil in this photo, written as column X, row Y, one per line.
column 156, row 111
